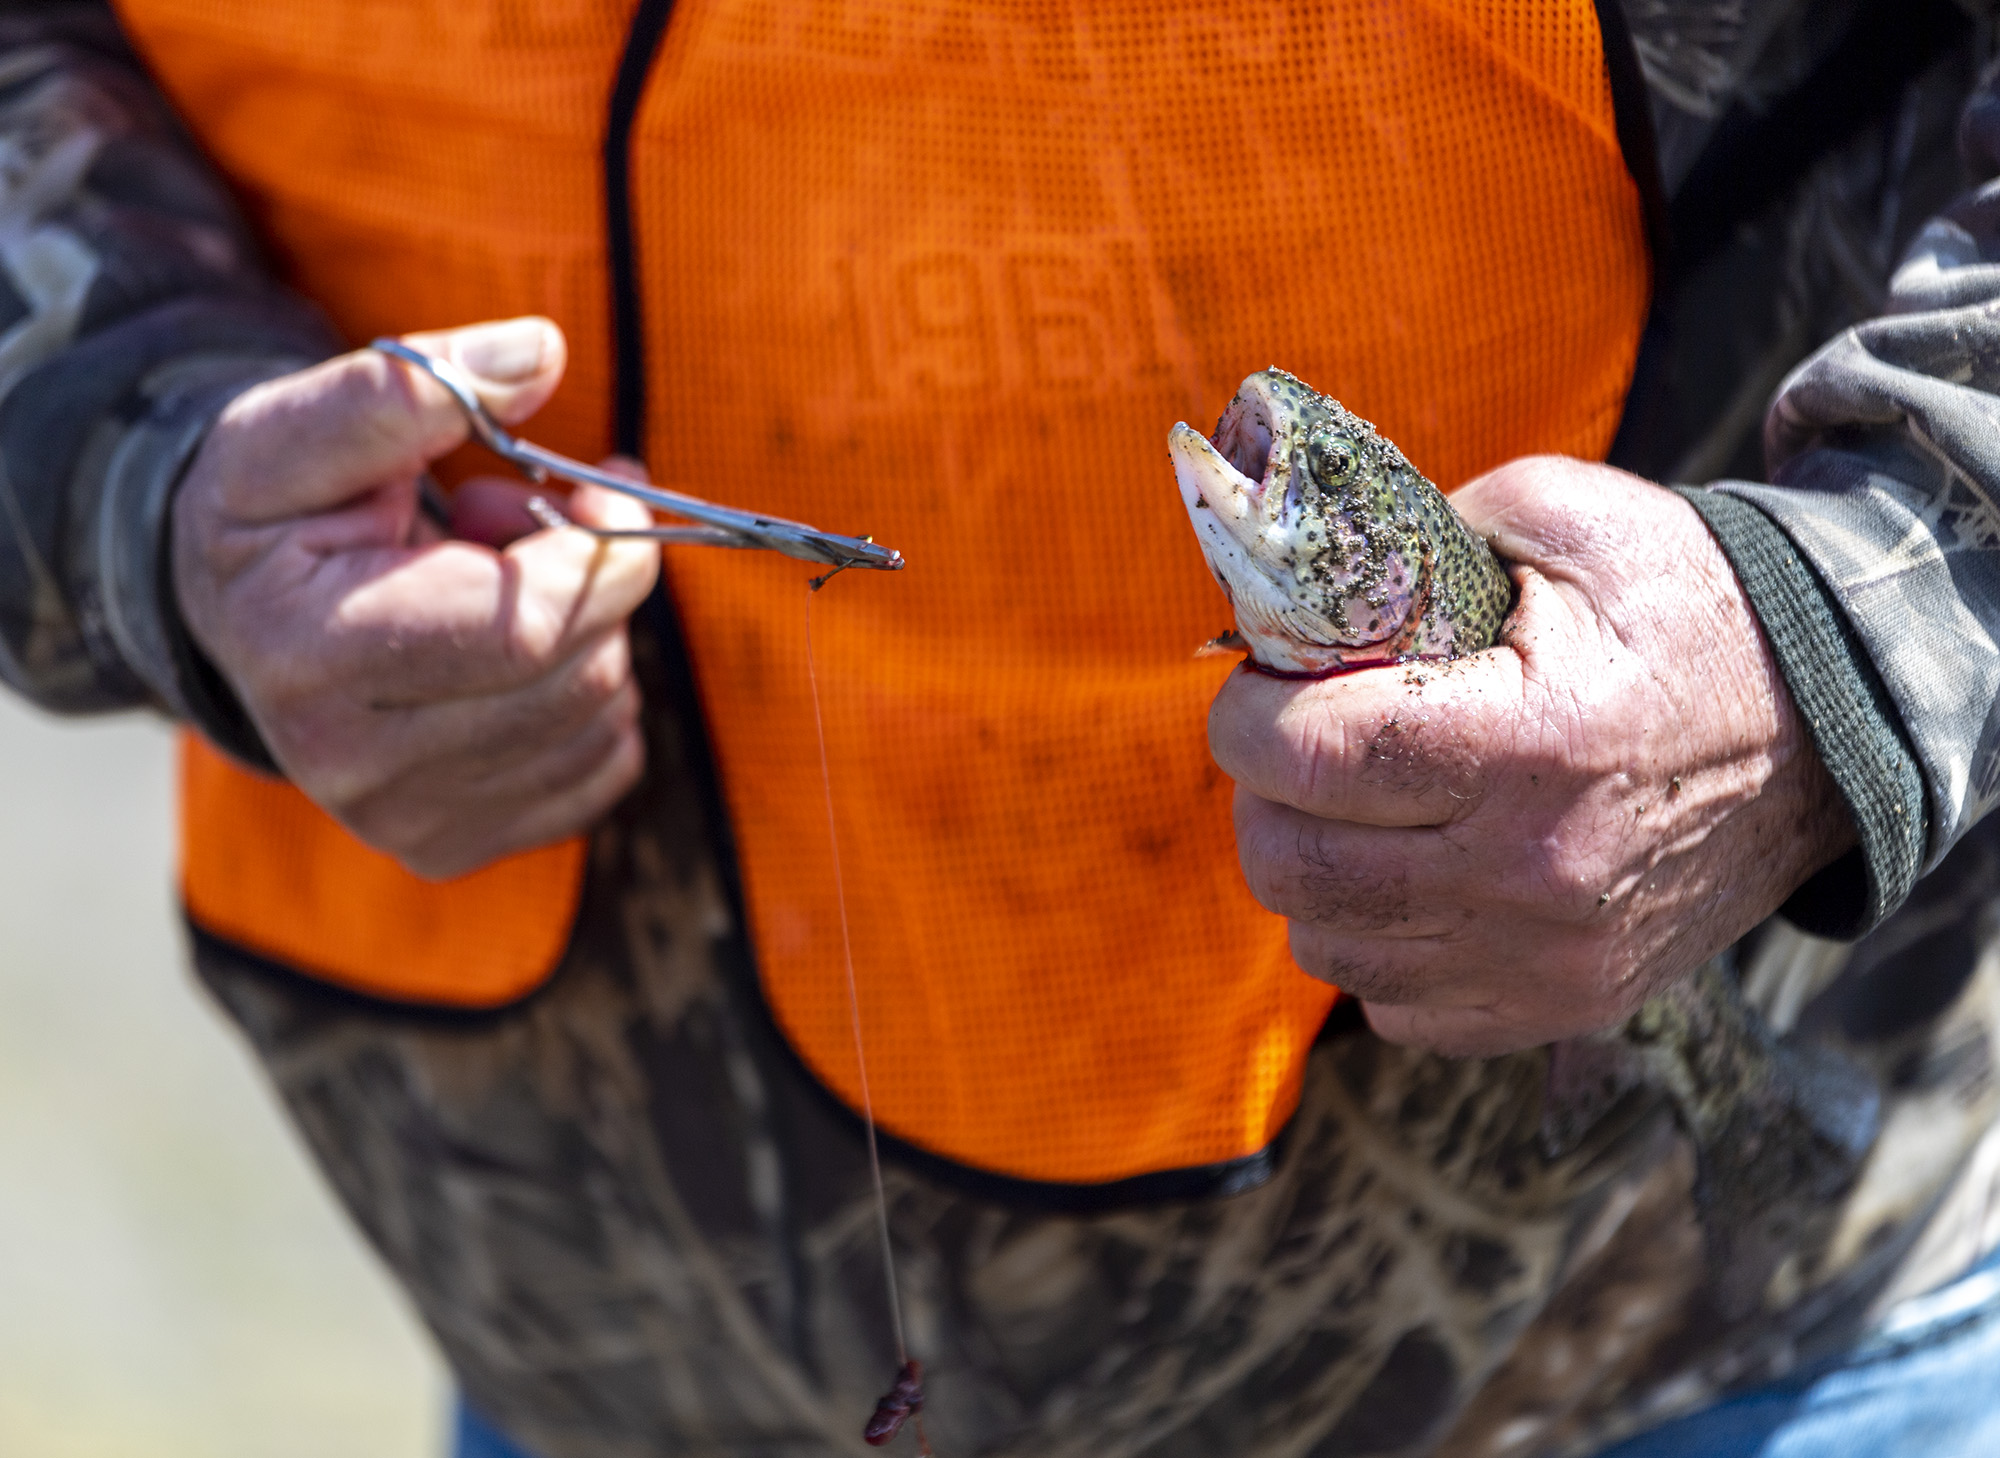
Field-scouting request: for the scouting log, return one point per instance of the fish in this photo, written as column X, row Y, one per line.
column 1336, row 554
column 1334, row 551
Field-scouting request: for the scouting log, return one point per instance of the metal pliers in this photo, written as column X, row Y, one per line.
column 720, row 526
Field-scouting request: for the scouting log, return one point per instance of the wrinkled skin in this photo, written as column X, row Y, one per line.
column 450, row 700
column 1522, row 844
column 1538, row 843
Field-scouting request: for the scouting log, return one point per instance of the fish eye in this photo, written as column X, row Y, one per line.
column 1333, row 457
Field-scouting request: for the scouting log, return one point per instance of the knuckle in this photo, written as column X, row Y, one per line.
column 383, row 406
column 1566, row 875
column 1281, row 861
column 340, row 784
column 620, row 716
column 592, row 779
column 567, row 767
column 628, row 707
column 237, row 430
column 1312, row 769
column 605, row 671
column 1296, row 870
column 1303, row 772
column 626, row 765
column 1269, row 886
column 1448, row 1032
column 372, row 390
column 431, row 837
column 442, row 861
column 396, row 825
column 1352, row 966
column 342, row 765
column 294, row 703
column 1317, row 956
column 537, row 634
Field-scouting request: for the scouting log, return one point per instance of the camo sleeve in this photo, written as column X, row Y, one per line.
column 1884, row 450
column 132, row 308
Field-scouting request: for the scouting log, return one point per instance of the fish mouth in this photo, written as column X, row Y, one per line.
column 1211, row 485
column 1229, row 475
column 1242, row 532
column 1243, row 436
column 1226, row 507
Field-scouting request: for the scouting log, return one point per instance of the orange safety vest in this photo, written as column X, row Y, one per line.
column 944, row 273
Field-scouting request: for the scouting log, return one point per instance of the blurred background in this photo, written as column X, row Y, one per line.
column 174, row 1280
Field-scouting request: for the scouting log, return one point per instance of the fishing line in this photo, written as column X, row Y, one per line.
column 905, row 1399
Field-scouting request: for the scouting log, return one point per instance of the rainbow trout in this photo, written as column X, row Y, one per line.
column 1336, row 553
column 1333, row 549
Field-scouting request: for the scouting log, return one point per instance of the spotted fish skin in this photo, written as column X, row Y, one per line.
column 1334, row 550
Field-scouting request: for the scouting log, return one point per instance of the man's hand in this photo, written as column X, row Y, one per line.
column 1524, row 845
column 449, row 700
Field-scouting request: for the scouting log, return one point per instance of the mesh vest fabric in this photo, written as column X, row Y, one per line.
column 947, row 274
column 265, row 869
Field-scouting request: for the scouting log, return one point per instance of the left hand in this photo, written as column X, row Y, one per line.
column 1525, row 844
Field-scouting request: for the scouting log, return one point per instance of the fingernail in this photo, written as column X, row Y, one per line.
column 503, row 353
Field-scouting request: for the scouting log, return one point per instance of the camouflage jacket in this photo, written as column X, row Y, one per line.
column 634, row 1224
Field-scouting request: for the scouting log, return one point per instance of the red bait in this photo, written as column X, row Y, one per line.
column 898, row 1405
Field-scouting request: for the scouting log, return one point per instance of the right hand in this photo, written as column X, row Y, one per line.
column 448, row 701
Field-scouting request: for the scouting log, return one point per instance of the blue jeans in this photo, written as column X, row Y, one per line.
column 1925, row 1384
column 472, row 1438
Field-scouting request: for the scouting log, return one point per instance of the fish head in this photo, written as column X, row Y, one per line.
column 1305, row 516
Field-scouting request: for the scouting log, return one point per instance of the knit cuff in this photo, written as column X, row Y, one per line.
column 134, row 543
column 1846, row 710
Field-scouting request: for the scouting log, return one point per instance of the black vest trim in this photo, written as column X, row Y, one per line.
column 635, row 65
column 1632, row 115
